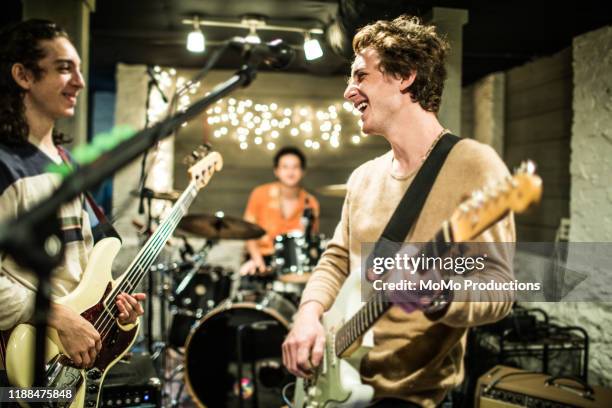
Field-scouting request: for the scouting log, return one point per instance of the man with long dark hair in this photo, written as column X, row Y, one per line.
column 40, row 80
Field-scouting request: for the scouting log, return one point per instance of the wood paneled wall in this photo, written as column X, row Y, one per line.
column 538, row 127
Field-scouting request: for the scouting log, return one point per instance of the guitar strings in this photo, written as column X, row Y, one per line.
column 143, row 264
column 140, row 268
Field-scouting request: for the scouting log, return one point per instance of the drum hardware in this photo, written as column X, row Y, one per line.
column 198, row 261
column 254, row 326
column 264, row 318
column 200, row 289
column 220, row 226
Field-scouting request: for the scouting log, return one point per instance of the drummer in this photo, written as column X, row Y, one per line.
column 279, row 207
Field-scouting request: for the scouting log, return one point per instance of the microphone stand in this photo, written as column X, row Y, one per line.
column 148, row 194
column 33, row 239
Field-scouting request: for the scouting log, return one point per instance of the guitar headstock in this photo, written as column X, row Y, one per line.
column 202, row 165
column 486, row 207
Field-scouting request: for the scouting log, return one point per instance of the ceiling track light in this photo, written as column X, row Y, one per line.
column 195, row 39
column 252, row 38
column 312, row 47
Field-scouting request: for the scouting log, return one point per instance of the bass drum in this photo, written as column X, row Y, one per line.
column 235, row 353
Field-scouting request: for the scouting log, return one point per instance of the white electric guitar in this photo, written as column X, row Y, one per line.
column 336, row 382
column 95, row 299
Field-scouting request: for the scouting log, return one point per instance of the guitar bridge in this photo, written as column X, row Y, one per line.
column 62, row 376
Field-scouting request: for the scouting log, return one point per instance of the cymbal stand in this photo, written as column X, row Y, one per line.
column 198, row 260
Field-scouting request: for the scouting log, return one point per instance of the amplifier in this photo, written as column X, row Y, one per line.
column 132, row 383
column 506, row 387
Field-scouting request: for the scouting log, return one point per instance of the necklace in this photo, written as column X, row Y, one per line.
column 435, row 142
column 424, row 157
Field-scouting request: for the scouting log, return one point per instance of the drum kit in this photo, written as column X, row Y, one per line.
column 230, row 329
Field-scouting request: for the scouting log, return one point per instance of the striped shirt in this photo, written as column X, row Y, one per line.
column 24, row 182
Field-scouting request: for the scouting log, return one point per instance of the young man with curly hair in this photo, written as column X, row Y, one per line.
column 40, row 80
column 396, row 83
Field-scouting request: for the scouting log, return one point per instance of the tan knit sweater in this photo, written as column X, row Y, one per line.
column 414, row 357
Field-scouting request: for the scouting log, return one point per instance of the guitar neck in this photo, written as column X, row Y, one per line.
column 151, row 250
column 473, row 216
column 377, row 305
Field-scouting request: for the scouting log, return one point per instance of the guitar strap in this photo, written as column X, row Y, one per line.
column 411, row 204
column 104, row 227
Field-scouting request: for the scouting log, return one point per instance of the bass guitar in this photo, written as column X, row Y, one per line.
column 95, row 299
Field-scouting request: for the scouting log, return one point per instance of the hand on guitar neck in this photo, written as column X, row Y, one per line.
column 80, row 339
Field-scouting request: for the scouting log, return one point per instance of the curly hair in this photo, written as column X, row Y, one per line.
column 21, row 43
column 404, row 45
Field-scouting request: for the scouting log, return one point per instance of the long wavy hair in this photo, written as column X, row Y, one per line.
column 21, row 43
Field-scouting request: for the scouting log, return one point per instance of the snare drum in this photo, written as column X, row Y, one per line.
column 294, row 258
column 235, row 351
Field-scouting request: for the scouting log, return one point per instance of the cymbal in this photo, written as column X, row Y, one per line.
column 171, row 195
column 220, row 226
column 333, row 190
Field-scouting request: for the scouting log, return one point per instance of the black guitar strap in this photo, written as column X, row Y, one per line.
column 411, row 204
column 104, row 228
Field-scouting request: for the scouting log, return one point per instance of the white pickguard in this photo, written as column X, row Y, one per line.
column 338, row 383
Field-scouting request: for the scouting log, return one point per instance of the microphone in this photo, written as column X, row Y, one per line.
column 307, row 218
column 275, row 54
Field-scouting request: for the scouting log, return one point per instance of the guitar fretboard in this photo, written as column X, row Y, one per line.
column 151, row 250
column 378, row 304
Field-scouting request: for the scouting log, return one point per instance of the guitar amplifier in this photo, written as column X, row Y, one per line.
column 132, row 383
column 506, row 387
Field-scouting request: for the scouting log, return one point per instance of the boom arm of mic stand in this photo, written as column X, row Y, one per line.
column 35, row 245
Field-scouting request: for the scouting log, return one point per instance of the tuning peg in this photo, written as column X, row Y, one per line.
column 204, row 149
column 190, row 159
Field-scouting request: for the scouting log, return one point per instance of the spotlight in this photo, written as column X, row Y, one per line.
column 195, row 40
column 312, row 48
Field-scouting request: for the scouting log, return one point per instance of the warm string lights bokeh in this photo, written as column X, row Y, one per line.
column 262, row 124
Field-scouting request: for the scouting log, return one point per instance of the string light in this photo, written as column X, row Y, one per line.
column 319, row 127
column 264, row 123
